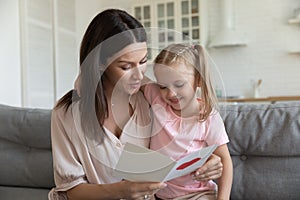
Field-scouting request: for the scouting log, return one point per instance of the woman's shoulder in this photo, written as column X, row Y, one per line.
column 65, row 122
column 64, row 113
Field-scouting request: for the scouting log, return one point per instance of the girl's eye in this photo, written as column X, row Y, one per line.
column 162, row 87
column 179, row 85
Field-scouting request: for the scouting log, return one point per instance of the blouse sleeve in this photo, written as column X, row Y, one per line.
column 68, row 172
column 216, row 133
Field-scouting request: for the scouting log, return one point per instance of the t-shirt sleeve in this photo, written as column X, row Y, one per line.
column 216, row 132
column 151, row 92
column 68, row 172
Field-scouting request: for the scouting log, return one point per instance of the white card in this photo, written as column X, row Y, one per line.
column 137, row 163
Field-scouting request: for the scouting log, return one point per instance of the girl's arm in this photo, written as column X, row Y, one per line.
column 212, row 169
column 225, row 181
column 120, row 190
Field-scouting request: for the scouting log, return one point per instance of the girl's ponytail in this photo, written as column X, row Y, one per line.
column 208, row 96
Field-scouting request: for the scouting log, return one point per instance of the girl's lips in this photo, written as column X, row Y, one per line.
column 174, row 101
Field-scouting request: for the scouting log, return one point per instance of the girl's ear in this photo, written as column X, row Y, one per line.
column 197, row 82
column 198, row 93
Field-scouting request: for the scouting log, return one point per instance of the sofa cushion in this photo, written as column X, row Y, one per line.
column 21, row 193
column 25, row 150
column 264, row 144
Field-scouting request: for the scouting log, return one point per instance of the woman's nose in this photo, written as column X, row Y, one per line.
column 138, row 73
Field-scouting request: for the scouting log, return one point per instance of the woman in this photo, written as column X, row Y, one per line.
column 88, row 132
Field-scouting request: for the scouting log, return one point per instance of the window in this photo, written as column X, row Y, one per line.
column 170, row 21
column 49, row 50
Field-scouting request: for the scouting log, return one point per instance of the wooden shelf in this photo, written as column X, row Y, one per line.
column 294, row 21
column 272, row 99
column 294, row 51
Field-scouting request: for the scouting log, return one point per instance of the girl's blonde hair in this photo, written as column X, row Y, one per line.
column 193, row 56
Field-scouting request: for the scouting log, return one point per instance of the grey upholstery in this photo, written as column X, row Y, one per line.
column 264, row 144
column 265, row 149
column 25, row 151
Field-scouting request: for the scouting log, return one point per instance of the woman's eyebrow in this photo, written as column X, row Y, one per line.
column 125, row 61
column 130, row 62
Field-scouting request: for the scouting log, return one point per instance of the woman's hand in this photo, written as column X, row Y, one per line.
column 212, row 169
column 139, row 190
column 120, row 190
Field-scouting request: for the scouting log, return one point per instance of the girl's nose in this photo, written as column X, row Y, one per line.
column 171, row 93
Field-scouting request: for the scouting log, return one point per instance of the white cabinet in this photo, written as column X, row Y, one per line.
column 171, row 21
column 48, row 50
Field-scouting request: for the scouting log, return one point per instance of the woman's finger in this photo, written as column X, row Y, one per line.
column 142, row 190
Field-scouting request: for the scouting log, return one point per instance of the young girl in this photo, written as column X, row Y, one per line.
column 183, row 122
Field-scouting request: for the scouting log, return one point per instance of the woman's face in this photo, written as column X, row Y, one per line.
column 126, row 69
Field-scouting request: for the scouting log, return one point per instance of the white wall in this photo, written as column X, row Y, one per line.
column 85, row 10
column 266, row 56
column 10, row 75
column 118, row 4
column 10, row 44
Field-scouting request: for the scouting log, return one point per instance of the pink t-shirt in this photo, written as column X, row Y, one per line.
column 177, row 137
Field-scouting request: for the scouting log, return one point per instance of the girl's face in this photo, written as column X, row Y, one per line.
column 126, row 69
column 177, row 87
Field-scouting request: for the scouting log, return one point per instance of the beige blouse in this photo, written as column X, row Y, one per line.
column 78, row 159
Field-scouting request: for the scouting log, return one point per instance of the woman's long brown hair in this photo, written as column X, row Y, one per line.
column 108, row 33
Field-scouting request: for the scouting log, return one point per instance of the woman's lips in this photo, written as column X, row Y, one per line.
column 135, row 85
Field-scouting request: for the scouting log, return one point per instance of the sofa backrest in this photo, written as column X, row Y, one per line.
column 25, row 147
column 264, row 145
column 265, row 149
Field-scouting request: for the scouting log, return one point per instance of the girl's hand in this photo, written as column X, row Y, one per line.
column 212, row 169
column 139, row 190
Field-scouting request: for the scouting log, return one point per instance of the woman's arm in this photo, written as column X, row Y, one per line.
column 120, row 190
column 69, row 172
column 225, row 181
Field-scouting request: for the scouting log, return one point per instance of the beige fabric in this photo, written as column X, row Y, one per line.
column 78, row 159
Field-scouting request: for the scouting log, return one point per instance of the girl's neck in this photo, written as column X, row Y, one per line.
column 192, row 110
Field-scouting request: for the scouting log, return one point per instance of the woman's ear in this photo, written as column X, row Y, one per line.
column 77, row 84
column 102, row 69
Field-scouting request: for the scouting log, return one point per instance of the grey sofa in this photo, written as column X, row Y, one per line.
column 25, row 153
column 264, row 144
